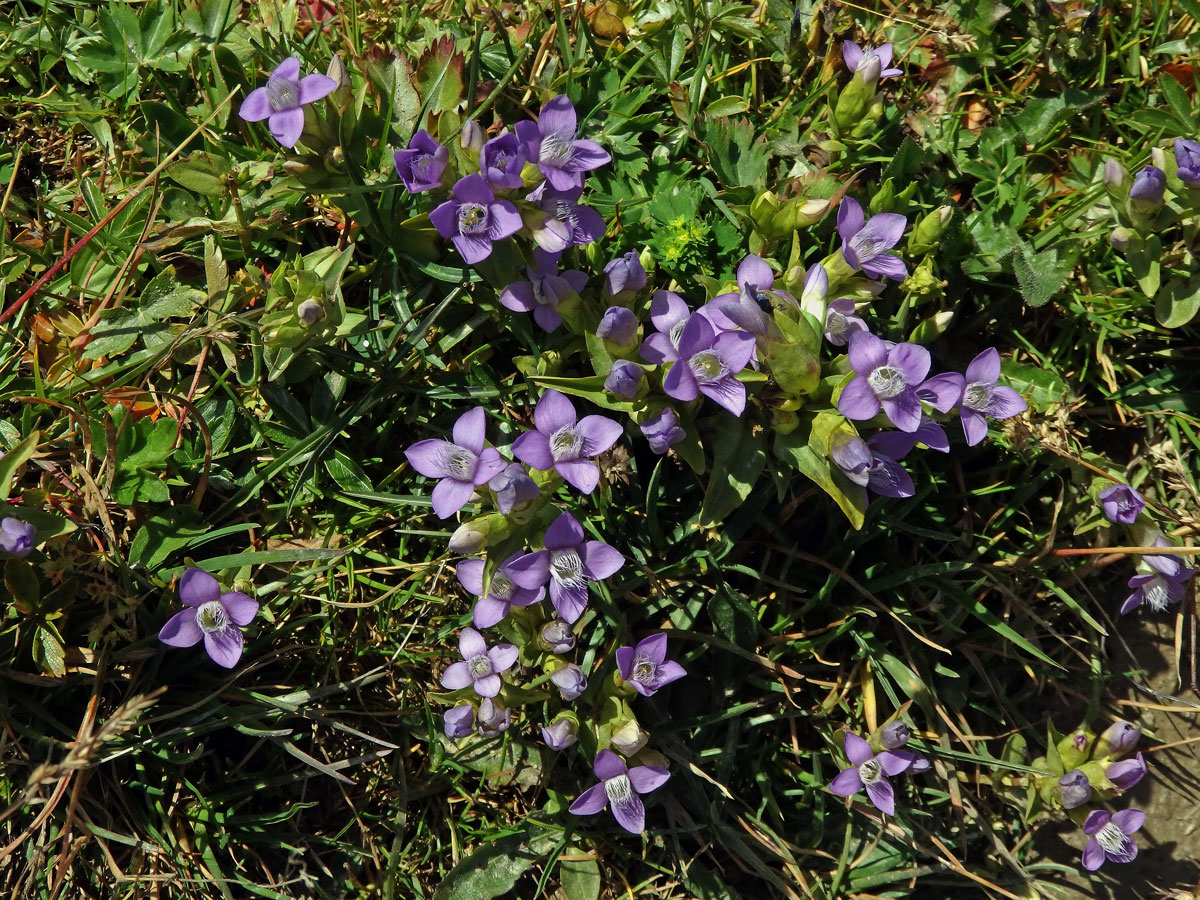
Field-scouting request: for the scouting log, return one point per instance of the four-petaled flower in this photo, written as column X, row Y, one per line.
column 502, row 593
column 870, row 770
column 885, row 376
column 480, row 667
column 280, row 101
column 1110, row 837
column 420, row 167
column 211, row 616
column 563, row 222
column 982, row 396
column 869, row 467
column 551, row 143
column 564, row 444
column 707, row 365
column 620, row 786
column 568, row 563
column 1163, row 586
column 461, row 466
column 646, row 667
column 1121, row 503
column 865, row 244
column 841, row 323
column 857, row 57
column 473, row 218
column 501, row 160
column 545, row 289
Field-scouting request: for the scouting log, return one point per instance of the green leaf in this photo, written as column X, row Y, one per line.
column 493, row 869
column 1177, row 99
column 1179, row 303
column 726, row 106
column 119, row 329
column 22, row 582
column 738, row 461
column 440, row 76
column 1040, row 273
column 808, row 451
column 794, row 367
column 153, row 442
column 735, row 154
column 161, row 535
column 1146, row 261
column 1040, row 386
column 201, row 172
column 48, row 651
column 579, row 878
column 1042, row 114
column 13, row 460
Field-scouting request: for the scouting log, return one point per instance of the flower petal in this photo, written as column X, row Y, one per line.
column 587, row 155
column 488, row 611
column 608, row 765
column 630, row 815
column 647, row 778
column 735, row 349
column 470, row 575
column 1095, row 820
column 903, row 410
column 866, row 352
column 849, row 219
column 680, row 383
column 885, row 265
column 197, row 587
column 533, row 449
column 1005, row 403
column 894, row 762
column 488, row 686
column 600, row 560
column 858, row 751
column 240, row 608
column 450, row 495
column 1129, row 820
column 984, row 368
column 974, row 425
column 428, row 457
column 883, row 797
column 471, row 643
column 669, row 671
column 754, row 271
column 857, row 400
column 470, row 429
column 558, row 117
column 851, row 55
column 1093, row 855
column 489, row 465
column 563, row 532
column 625, row 657
column 181, row 630
column 728, row 392
column 847, row 782
column 591, row 801
column 503, row 220
column 286, row 127
column 518, row 297
column 581, row 474
column 257, row 106
column 569, row 602
column 472, row 248
column 224, row 646
column 912, row 360
column 314, row 87
column 445, row 218
column 456, row 676
column 503, row 656
column 943, row 392
column 553, row 411
column 289, row 69
column 530, row 571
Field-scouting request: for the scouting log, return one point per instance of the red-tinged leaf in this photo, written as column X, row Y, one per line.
column 1184, row 73
column 440, row 76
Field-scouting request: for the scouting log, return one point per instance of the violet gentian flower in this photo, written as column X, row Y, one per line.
column 563, row 222
column 1146, row 193
column 1126, row 773
column 840, row 322
column 750, row 308
column 669, row 313
column 568, row 563
column 620, row 786
column 461, row 466
column 1074, row 789
column 16, row 537
column 1121, row 503
column 502, row 594
column 551, row 143
column 1118, row 739
column 213, row 616
column 280, row 101
column 646, row 667
column 898, row 444
column 459, row 722
column 1187, row 158
column 663, row 430
column 570, row 681
column 884, row 377
column 865, row 244
column 624, row 379
column 421, row 166
column 561, row 733
column 708, row 363
column 870, row 770
column 869, row 468
column 1110, row 837
column 501, row 160
column 492, row 717
column 564, row 444
column 943, row 391
column 857, row 58
column 982, row 396
column 557, row 637
column 513, row 487
column 473, row 218
column 618, row 328
column 545, row 289
column 625, row 273
column 480, row 667
column 893, row 735
column 1160, row 588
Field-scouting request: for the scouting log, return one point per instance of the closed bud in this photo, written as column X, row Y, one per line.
column 928, row 231
column 1117, row 740
column 561, row 733
column 1121, row 239
column 459, row 722
column 341, row 78
column 492, row 718
column 570, row 681
column 1116, row 179
column 1126, row 773
column 514, row 488
column 1072, row 749
column 762, row 211
column 893, row 735
column 814, row 293
column 663, row 430
column 470, row 537
column 556, row 636
column 625, row 379
column 1074, row 789
column 629, row 738
column 618, row 329
column 1146, row 193
column 472, row 136
column 310, row 312
column 625, row 273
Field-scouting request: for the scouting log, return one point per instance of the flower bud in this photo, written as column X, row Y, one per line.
column 556, row 636
column 1146, row 194
column 869, row 69
column 1117, row 740
column 1074, row 789
column 16, row 537
column 340, row 96
column 470, row 537
column 762, row 212
column 561, row 733
column 928, row 231
column 1126, row 773
column 460, row 721
column 625, row 273
column 1072, row 749
column 492, row 717
column 629, row 738
column 893, row 735
column 472, row 136
column 570, row 681
column 798, row 212
column 815, row 292
column 310, row 312
column 618, row 329
column 513, row 487
column 1116, row 179
column 625, row 379
column 1121, row 239
column 663, row 430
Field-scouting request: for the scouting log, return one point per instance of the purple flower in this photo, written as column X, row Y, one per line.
column 568, row 563
column 1161, row 588
column 570, row 681
column 459, row 721
column 545, row 289
column 461, row 466
column 865, row 245
column 280, row 101
column 669, row 314
column 1110, row 837
column 472, row 136
column 211, row 616
column 420, row 167
column 884, row 377
column 564, row 222
column 983, row 397
column 1126, row 773
column 893, row 735
column 1146, row 194
column 492, row 717
column 625, row 273
column 560, row 734
column 474, row 218
column 624, row 379
column 557, row 636
column 1121, row 503
column 869, row 468
column 619, row 327
column 750, row 308
column 480, row 667
column 16, row 537
column 898, row 444
column 501, row 160
column 1121, row 737
column 646, row 667
column 513, row 488
column 841, row 323
column 708, row 363
column 565, row 445
column 620, row 786
column 502, row 593
column 663, row 430
column 552, row 145
column 858, row 58
column 870, row 770
column 1187, row 158
column 1074, row 789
